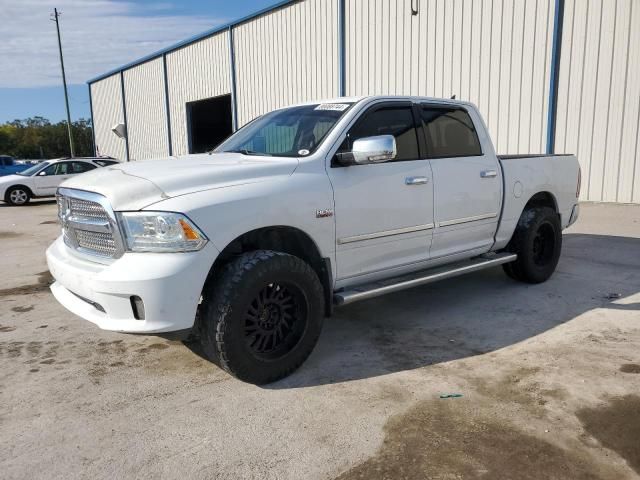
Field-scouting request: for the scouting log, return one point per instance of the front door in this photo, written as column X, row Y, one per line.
column 383, row 211
column 47, row 181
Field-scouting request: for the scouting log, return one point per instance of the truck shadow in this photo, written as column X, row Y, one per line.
column 470, row 315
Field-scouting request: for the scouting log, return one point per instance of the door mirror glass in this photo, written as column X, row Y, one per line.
column 378, row 149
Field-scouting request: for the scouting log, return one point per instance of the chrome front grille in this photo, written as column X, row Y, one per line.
column 84, row 210
column 99, row 243
column 88, row 223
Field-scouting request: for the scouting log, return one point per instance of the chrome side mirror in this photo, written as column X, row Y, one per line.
column 378, row 149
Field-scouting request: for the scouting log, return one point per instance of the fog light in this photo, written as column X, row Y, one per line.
column 137, row 305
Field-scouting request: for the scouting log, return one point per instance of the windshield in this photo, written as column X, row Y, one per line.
column 31, row 170
column 291, row 132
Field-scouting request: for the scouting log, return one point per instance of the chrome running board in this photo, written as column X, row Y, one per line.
column 370, row 290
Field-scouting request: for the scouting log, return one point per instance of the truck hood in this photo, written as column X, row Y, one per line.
column 135, row 185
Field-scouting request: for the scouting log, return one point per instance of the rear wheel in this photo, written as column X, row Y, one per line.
column 17, row 196
column 538, row 243
column 262, row 316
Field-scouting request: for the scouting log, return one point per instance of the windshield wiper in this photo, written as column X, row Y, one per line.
column 245, row 151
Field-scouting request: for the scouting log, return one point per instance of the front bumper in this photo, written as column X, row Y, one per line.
column 169, row 284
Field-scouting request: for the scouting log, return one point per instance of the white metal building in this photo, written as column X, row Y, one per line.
column 548, row 75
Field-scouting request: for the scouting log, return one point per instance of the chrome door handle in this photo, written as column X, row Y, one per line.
column 488, row 173
column 415, row 180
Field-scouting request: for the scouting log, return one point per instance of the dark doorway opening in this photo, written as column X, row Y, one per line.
column 209, row 122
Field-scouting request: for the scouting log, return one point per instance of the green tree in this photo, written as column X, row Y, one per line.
column 37, row 137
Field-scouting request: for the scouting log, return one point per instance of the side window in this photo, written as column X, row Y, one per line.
column 449, row 133
column 50, row 170
column 62, row 168
column 396, row 121
column 80, row 167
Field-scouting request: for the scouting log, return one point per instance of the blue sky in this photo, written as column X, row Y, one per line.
column 97, row 36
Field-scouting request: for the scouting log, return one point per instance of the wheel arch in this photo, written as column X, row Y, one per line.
column 515, row 208
column 27, row 188
column 537, row 200
column 542, row 199
column 285, row 239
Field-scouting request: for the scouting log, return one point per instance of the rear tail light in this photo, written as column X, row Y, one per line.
column 579, row 182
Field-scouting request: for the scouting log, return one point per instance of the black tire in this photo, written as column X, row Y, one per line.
column 538, row 243
column 262, row 316
column 509, row 270
column 17, row 196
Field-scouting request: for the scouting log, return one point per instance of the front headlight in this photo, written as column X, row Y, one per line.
column 160, row 232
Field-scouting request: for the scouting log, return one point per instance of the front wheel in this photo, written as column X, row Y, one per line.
column 262, row 316
column 17, row 196
column 538, row 243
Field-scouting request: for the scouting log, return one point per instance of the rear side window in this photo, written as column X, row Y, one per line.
column 449, row 132
column 396, row 121
column 80, row 167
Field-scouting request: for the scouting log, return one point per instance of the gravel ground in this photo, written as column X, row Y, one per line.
column 549, row 376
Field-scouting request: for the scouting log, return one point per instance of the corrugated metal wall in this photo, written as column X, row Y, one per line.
column 195, row 72
column 146, row 111
column 494, row 53
column 106, row 97
column 599, row 96
column 286, row 56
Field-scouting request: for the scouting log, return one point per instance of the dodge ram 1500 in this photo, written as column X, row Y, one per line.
column 304, row 209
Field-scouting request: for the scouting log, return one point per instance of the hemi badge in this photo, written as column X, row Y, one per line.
column 327, row 212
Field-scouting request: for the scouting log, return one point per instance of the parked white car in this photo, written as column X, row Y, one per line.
column 303, row 209
column 43, row 179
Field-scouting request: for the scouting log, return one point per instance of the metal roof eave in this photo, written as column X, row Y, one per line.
column 189, row 41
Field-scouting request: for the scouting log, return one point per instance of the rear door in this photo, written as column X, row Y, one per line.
column 467, row 181
column 383, row 211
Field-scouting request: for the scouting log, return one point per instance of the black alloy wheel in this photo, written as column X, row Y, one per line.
column 275, row 320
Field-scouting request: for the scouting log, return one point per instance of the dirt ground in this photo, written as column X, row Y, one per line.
column 549, row 377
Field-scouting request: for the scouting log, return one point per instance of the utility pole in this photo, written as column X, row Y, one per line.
column 54, row 17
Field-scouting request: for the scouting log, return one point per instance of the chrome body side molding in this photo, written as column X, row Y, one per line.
column 385, row 233
column 475, row 218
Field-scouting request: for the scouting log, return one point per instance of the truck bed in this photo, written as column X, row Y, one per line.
column 526, row 175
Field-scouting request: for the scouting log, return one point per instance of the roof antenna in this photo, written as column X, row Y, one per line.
column 453, row 97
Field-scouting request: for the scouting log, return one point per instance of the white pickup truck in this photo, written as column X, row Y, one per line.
column 303, row 209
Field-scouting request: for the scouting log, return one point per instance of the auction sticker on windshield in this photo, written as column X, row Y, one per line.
column 338, row 107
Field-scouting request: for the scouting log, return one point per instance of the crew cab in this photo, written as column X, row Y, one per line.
column 304, row 209
column 8, row 166
column 43, row 179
